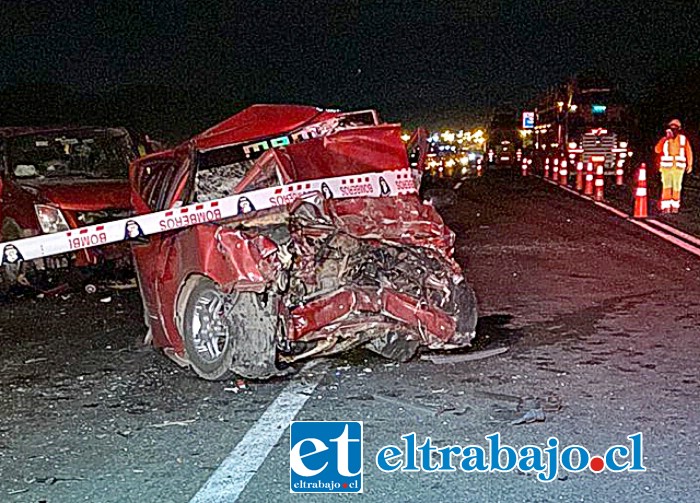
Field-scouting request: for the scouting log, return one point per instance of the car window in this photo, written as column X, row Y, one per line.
column 216, row 182
column 159, row 179
column 86, row 153
column 223, row 176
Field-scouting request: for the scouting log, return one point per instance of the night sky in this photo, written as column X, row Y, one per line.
column 414, row 61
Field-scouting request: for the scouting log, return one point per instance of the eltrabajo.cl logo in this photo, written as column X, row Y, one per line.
column 326, row 457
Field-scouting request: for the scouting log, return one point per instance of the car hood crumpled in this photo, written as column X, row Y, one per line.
column 401, row 220
column 84, row 195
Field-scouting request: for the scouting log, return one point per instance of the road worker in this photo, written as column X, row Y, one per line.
column 676, row 158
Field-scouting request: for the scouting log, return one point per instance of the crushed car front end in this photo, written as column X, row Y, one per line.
column 379, row 271
column 303, row 273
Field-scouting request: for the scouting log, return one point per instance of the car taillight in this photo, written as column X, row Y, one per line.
column 50, row 218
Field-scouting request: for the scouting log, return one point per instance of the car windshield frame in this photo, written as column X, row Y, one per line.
column 92, row 153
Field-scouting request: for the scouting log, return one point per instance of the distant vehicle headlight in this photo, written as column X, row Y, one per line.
column 623, row 144
column 50, row 218
column 573, row 145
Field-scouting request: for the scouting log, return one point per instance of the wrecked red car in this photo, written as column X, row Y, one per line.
column 56, row 179
column 306, row 275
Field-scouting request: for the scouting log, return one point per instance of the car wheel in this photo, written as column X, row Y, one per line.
column 205, row 330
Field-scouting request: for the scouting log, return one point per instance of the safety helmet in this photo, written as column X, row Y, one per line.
column 675, row 123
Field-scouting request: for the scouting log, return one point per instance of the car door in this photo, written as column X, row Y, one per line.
column 154, row 183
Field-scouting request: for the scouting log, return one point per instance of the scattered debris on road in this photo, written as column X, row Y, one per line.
column 165, row 424
column 466, row 357
column 552, row 404
column 64, row 287
column 52, row 480
column 531, row 416
column 403, row 404
column 239, row 386
column 35, row 360
column 121, row 285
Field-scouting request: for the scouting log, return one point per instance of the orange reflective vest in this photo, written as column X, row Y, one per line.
column 679, row 157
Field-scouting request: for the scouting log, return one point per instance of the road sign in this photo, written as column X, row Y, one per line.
column 528, row 120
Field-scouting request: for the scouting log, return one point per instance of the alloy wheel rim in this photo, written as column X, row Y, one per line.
column 209, row 328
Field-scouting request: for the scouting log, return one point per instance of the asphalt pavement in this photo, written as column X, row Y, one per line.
column 599, row 318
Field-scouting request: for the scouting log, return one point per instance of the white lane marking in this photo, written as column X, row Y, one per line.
column 663, row 235
column 673, row 230
column 576, row 193
column 668, row 237
column 230, row 479
column 613, row 210
column 617, row 212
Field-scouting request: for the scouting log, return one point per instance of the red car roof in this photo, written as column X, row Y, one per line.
column 349, row 152
column 257, row 122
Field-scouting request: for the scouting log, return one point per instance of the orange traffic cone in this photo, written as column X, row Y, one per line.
column 640, row 196
column 579, row 176
column 564, row 173
column 555, row 169
column 479, row 168
column 589, row 180
column 524, row 167
column 619, row 175
column 599, row 193
column 546, row 168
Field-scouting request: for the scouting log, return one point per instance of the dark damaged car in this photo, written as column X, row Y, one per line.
column 58, row 179
column 303, row 274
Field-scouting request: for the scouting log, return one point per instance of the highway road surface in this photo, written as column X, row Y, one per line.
column 599, row 318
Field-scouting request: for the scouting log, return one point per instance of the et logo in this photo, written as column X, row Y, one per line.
column 325, row 457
